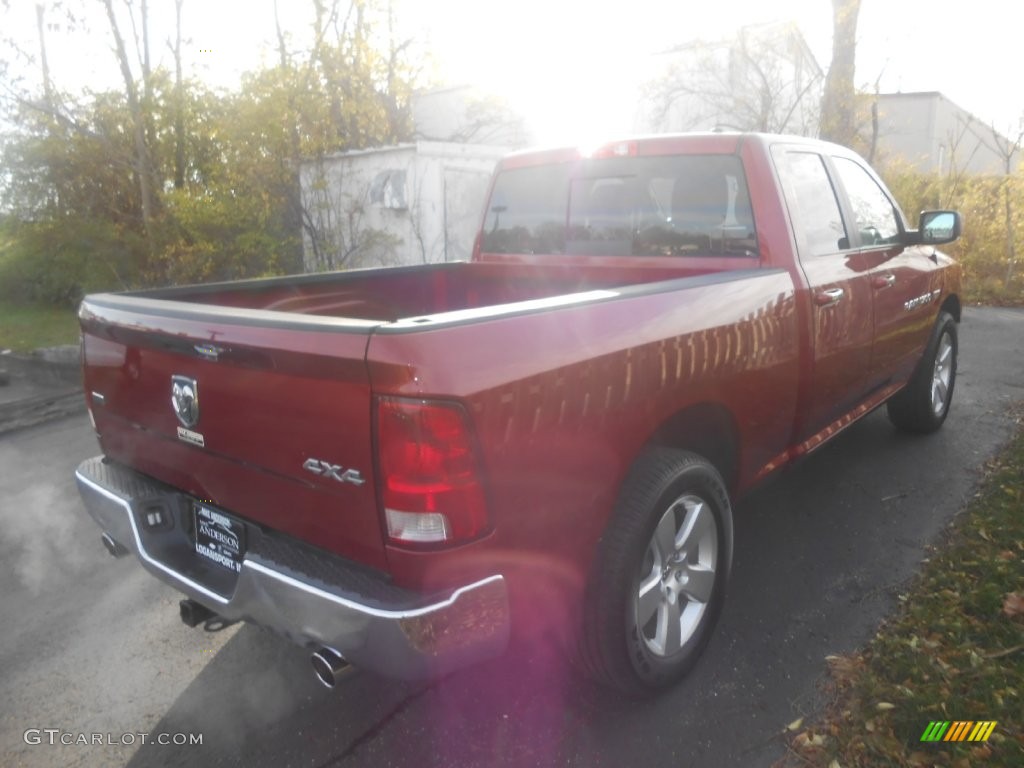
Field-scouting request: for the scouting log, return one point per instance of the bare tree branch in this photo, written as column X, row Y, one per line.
column 143, row 165
column 759, row 81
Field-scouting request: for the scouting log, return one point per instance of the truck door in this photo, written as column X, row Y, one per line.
column 900, row 276
column 838, row 277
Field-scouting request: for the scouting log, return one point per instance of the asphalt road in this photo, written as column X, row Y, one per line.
column 90, row 645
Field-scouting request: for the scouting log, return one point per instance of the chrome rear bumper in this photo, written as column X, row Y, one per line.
column 372, row 623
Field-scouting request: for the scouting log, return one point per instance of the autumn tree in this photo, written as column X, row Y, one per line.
column 839, row 121
column 1007, row 150
column 145, row 175
column 161, row 180
column 990, row 203
column 352, row 94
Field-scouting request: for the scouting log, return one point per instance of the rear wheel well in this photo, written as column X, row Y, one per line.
column 707, row 430
column 952, row 305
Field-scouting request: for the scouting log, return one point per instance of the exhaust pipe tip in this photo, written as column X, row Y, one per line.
column 329, row 666
column 115, row 549
column 193, row 613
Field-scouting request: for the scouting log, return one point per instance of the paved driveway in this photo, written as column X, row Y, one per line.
column 93, row 645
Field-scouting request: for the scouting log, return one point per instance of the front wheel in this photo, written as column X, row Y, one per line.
column 922, row 406
column 659, row 579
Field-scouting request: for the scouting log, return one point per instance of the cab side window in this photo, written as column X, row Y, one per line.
column 812, row 204
column 874, row 214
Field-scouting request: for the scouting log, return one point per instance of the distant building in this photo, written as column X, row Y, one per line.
column 409, row 204
column 934, row 135
column 764, row 79
column 413, row 203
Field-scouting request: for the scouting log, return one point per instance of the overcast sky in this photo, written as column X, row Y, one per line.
column 569, row 64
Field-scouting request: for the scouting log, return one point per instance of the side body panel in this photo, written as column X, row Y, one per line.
column 563, row 401
column 871, row 299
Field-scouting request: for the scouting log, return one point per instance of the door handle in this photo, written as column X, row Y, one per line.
column 883, row 281
column 828, row 297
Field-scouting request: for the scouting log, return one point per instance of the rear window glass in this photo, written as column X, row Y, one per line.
column 642, row 206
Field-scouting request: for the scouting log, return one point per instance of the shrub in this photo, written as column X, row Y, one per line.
column 983, row 249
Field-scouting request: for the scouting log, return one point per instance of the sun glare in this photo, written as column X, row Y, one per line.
column 571, row 69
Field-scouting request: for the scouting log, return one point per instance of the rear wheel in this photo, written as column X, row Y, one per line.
column 922, row 406
column 659, row 580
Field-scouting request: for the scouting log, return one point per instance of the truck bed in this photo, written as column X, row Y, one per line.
column 389, row 295
column 286, row 376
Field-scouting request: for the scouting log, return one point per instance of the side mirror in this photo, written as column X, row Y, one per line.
column 938, row 227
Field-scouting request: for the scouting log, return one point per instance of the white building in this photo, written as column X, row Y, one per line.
column 934, row 135
column 414, row 203
column 410, row 204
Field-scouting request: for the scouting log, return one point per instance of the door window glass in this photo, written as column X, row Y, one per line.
column 812, row 204
column 873, row 212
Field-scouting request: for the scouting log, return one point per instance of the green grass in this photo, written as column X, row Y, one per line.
column 24, row 327
column 954, row 651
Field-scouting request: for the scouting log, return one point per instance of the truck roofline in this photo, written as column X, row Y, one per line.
column 713, row 142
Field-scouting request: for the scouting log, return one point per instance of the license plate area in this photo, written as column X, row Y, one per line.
column 219, row 537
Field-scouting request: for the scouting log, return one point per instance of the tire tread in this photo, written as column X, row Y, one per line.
column 655, row 470
column 910, row 409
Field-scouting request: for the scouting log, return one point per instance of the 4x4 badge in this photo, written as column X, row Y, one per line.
column 334, row 471
column 185, row 400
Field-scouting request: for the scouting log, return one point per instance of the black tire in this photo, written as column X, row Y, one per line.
column 922, row 406
column 665, row 487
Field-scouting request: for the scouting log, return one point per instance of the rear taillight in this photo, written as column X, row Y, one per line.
column 430, row 473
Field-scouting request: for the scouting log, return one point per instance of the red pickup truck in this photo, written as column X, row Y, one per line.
column 397, row 468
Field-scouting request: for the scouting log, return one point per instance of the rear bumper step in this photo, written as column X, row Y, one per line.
column 372, row 623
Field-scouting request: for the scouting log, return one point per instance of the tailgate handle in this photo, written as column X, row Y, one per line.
column 884, row 281
column 828, row 297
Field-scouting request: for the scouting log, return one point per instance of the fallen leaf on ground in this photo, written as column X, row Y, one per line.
column 808, row 739
column 1013, row 604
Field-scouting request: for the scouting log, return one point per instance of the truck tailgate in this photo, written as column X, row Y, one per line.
column 281, row 431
